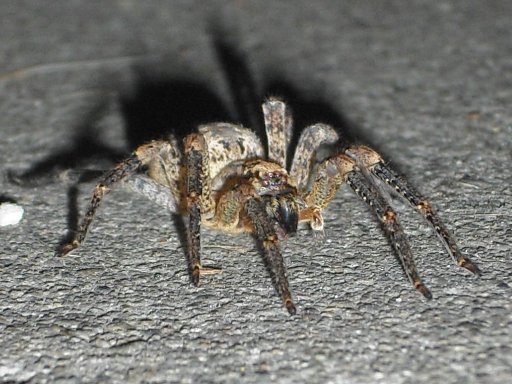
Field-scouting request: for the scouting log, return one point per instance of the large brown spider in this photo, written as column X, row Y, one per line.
column 223, row 180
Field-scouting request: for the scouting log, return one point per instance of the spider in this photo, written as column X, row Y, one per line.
column 223, row 180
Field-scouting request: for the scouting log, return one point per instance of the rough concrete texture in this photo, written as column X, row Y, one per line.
column 427, row 83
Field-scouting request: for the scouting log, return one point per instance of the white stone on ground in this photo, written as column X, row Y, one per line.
column 10, row 214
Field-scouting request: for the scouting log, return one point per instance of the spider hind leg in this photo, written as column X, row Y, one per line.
column 122, row 170
column 143, row 156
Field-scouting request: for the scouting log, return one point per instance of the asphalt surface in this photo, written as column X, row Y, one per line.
column 429, row 84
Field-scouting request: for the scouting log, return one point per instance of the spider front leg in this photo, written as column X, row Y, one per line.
column 371, row 160
column 269, row 243
column 198, row 198
column 241, row 209
column 365, row 189
column 331, row 174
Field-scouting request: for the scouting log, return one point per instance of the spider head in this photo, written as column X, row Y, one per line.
column 278, row 192
column 268, row 179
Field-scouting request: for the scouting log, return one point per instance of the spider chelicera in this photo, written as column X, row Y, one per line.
column 223, row 180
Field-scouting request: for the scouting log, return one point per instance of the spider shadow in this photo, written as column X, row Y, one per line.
column 305, row 110
column 83, row 149
column 5, row 198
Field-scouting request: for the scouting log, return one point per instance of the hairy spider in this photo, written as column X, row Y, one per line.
column 223, row 180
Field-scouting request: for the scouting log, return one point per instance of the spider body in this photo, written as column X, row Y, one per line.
column 223, row 180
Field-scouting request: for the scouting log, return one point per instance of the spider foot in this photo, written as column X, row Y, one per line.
column 195, row 272
column 64, row 249
column 290, row 306
column 423, row 290
column 470, row 266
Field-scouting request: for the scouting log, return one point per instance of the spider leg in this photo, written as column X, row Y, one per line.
column 154, row 191
column 198, row 198
column 165, row 167
column 233, row 168
column 327, row 179
column 278, row 125
column 310, row 140
column 331, row 173
column 141, row 157
column 122, row 170
column 268, row 240
column 374, row 163
column 365, row 189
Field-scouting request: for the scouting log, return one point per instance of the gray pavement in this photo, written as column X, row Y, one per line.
column 427, row 83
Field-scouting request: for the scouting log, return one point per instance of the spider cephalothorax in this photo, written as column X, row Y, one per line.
column 223, row 180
